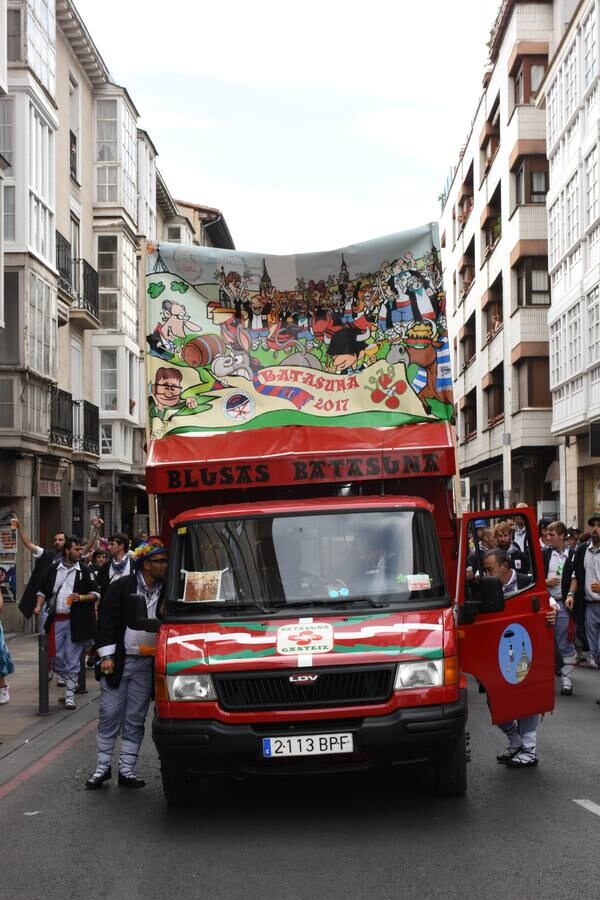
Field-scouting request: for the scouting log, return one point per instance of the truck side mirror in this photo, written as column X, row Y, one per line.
column 482, row 596
column 491, row 598
column 137, row 618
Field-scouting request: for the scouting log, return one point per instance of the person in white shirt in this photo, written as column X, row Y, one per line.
column 119, row 563
column 68, row 592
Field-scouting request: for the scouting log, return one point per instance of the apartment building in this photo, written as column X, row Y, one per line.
column 494, row 252
column 571, row 97
column 80, row 193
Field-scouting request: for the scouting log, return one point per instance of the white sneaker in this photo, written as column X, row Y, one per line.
column 4, row 694
column 592, row 663
column 60, row 682
column 70, row 703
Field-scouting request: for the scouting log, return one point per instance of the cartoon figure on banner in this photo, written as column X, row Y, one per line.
column 166, row 393
column 423, row 346
column 257, row 310
column 232, row 286
column 346, row 350
column 170, row 333
column 176, row 324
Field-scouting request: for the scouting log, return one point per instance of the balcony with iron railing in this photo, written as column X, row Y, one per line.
column 64, row 263
column 79, row 280
column 85, row 307
column 86, row 427
column 61, row 418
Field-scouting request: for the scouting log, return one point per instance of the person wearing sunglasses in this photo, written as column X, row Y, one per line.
column 125, row 666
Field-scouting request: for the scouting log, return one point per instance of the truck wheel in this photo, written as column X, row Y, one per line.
column 178, row 787
column 451, row 768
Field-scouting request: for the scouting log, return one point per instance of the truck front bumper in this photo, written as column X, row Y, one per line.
column 408, row 735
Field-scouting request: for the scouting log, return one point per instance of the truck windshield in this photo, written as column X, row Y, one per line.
column 338, row 559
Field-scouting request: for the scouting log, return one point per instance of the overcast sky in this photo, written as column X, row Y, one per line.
column 310, row 125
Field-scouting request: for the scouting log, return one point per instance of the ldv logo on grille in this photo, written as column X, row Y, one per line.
column 303, row 679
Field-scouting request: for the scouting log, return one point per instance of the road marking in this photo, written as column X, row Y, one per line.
column 45, row 761
column 591, row 807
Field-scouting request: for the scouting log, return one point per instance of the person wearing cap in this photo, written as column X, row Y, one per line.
column 584, row 594
column 573, row 536
column 125, row 665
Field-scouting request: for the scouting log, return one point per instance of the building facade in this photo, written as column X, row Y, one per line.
column 495, row 257
column 79, row 196
column 571, row 97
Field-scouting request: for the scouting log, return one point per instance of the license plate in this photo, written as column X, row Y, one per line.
column 307, row 745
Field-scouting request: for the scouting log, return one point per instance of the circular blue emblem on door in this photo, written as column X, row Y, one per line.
column 515, row 653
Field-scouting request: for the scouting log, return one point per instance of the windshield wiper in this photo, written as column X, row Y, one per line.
column 334, row 603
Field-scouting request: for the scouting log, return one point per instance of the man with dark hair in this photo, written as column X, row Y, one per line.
column 584, row 592
column 44, row 559
column 68, row 591
column 520, row 536
column 504, row 541
column 521, row 733
column 126, row 666
column 543, row 531
column 558, row 568
column 119, row 563
column 497, row 563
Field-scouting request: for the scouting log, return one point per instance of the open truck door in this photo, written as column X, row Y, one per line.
column 505, row 641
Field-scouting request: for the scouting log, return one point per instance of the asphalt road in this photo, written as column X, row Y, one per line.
column 517, row 834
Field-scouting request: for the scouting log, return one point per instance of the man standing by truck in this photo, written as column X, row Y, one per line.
column 585, row 589
column 126, row 666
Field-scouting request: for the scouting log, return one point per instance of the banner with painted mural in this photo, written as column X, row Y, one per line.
column 352, row 337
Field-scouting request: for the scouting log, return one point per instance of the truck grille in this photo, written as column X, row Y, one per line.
column 333, row 687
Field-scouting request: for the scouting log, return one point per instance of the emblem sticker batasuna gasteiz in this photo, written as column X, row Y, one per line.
column 302, row 638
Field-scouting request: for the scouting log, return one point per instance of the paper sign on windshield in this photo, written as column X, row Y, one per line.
column 354, row 337
column 202, row 587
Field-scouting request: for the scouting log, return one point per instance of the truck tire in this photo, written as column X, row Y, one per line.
column 178, row 786
column 450, row 772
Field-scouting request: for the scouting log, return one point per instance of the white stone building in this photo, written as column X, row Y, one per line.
column 79, row 194
column 494, row 252
column 571, row 96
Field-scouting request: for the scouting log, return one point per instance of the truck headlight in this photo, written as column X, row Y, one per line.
column 191, row 687
column 419, row 673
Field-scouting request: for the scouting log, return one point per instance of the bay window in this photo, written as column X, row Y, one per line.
column 41, row 186
column 41, row 41
column 108, row 380
column 106, row 439
column 591, row 186
column 116, row 154
column 42, row 327
column 533, row 283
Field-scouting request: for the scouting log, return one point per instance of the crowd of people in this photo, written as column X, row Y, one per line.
column 79, row 590
column 571, row 561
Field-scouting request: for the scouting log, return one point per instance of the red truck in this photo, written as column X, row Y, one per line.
column 317, row 614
